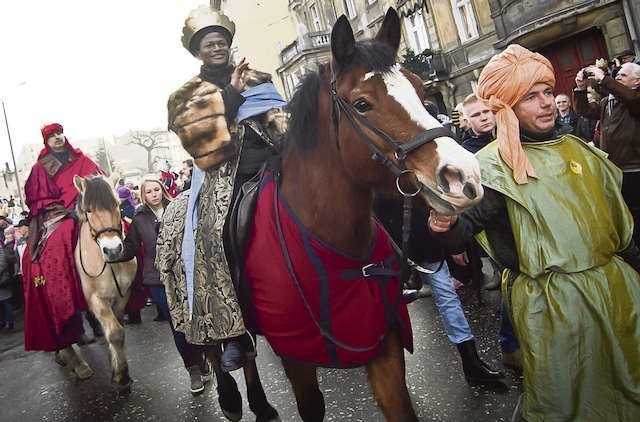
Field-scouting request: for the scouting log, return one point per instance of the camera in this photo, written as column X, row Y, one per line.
column 586, row 74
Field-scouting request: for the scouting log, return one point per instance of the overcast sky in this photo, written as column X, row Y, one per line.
column 99, row 68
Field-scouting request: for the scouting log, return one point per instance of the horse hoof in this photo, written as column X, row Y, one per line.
column 269, row 416
column 232, row 416
column 124, row 390
column 59, row 358
column 83, row 371
column 230, row 402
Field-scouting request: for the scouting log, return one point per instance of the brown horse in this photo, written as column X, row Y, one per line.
column 106, row 286
column 357, row 127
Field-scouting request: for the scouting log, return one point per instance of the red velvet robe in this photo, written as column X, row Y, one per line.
column 53, row 294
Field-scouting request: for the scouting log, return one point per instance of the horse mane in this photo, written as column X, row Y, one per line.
column 98, row 194
column 303, row 123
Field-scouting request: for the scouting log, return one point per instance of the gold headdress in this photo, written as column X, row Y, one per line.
column 204, row 17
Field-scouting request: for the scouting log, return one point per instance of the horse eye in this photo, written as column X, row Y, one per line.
column 362, row 106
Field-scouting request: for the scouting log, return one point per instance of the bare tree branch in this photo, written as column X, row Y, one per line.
column 150, row 141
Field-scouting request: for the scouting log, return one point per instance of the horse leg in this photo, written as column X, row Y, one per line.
column 114, row 334
column 309, row 398
column 258, row 402
column 229, row 397
column 386, row 373
column 68, row 357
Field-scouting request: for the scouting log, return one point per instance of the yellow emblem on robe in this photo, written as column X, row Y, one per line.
column 575, row 167
column 38, row 280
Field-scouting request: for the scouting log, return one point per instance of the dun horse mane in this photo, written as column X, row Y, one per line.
column 98, row 194
column 303, row 124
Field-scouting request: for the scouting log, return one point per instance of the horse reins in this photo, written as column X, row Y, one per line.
column 399, row 169
column 94, row 235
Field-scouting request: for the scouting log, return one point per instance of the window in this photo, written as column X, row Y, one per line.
column 351, row 8
column 465, row 19
column 315, row 18
column 292, row 83
column 416, row 32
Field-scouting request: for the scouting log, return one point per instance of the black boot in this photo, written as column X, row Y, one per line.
column 474, row 369
column 237, row 351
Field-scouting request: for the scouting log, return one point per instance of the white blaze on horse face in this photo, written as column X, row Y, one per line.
column 399, row 87
column 457, row 167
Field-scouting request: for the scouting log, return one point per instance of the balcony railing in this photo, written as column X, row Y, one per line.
column 309, row 41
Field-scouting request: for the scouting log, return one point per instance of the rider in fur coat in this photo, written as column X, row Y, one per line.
column 193, row 253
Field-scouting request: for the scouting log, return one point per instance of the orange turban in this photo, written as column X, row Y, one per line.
column 503, row 82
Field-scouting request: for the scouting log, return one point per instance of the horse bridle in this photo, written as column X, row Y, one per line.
column 95, row 234
column 399, row 169
column 401, row 149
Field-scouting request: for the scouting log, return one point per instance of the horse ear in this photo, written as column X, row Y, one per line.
column 79, row 182
column 343, row 44
column 389, row 32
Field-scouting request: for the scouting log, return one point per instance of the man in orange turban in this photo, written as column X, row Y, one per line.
column 553, row 216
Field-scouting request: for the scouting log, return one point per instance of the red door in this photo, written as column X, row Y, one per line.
column 571, row 54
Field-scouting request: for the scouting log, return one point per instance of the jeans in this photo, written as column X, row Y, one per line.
column 6, row 311
column 448, row 302
column 192, row 354
column 507, row 336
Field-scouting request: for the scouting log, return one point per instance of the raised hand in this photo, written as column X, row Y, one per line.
column 237, row 79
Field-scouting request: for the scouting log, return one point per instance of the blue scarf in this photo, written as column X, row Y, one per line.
column 190, row 224
column 259, row 99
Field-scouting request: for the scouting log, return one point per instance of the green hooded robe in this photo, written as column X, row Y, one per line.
column 574, row 303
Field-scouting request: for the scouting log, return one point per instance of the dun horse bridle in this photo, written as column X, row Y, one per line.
column 95, row 234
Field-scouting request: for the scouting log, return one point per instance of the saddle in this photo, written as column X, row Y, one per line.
column 240, row 224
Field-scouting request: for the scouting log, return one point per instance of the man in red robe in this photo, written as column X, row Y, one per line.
column 53, row 294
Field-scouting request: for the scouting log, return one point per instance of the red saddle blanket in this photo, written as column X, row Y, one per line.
column 353, row 314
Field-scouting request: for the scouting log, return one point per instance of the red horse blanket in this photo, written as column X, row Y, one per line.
column 354, row 312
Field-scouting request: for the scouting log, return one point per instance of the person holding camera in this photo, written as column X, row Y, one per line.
column 619, row 115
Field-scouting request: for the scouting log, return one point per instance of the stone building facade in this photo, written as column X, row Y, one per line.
column 451, row 40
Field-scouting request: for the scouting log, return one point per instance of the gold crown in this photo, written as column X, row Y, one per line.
column 203, row 17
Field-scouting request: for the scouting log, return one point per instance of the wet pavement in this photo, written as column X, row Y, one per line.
column 34, row 388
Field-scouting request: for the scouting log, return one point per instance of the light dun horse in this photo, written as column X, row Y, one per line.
column 106, row 286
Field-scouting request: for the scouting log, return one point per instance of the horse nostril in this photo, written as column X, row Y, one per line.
column 469, row 191
column 448, row 175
